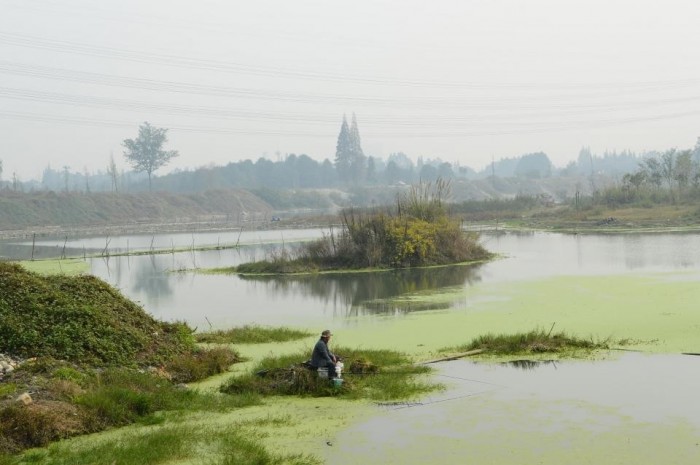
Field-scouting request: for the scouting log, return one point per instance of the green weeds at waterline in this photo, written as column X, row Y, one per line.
column 369, row 374
column 532, row 342
column 252, row 334
column 236, row 444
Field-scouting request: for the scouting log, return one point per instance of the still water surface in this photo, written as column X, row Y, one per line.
column 227, row 300
column 634, row 408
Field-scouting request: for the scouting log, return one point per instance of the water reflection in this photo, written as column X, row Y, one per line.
column 389, row 292
column 336, row 299
column 147, row 279
column 529, row 365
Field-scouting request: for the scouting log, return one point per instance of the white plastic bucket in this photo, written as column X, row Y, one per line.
column 339, row 368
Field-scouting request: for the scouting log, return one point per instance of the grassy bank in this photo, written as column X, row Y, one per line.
column 90, row 359
column 238, row 444
column 252, row 334
column 368, row 374
column 93, row 361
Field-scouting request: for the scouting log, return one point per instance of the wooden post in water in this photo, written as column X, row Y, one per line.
column 453, row 357
column 33, row 243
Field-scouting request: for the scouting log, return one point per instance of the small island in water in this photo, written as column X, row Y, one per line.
column 416, row 232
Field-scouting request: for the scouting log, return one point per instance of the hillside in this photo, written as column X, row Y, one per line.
column 80, row 319
column 69, row 212
column 66, row 210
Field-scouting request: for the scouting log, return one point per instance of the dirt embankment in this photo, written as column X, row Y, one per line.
column 51, row 213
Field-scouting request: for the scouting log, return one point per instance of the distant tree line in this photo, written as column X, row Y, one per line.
column 351, row 168
column 673, row 176
column 303, row 172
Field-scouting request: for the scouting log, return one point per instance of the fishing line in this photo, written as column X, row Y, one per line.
column 465, row 396
column 472, row 380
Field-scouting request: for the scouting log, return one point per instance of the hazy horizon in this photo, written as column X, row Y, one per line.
column 463, row 81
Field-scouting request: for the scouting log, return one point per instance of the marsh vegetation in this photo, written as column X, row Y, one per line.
column 417, row 232
column 368, row 374
column 536, row 341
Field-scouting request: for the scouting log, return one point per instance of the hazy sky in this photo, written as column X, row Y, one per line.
column 459, row 80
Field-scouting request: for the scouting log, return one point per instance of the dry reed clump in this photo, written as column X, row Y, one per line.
column 295, row 380
column 363, row 366
column 201, row 364
column 39, row 423
column 64, row 389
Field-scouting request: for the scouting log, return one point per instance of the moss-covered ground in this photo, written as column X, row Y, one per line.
column 651, row 312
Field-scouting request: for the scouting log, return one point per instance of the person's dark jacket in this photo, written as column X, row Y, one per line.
column 321, row 356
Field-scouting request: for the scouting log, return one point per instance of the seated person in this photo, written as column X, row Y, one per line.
column 322, row 357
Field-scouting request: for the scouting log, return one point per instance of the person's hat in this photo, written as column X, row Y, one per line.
column 326, row 333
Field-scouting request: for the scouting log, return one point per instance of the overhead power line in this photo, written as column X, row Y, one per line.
column 452, row 100
column 408, row 134
column 62, row 46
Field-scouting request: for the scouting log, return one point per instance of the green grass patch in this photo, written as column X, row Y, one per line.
column 122, row 396
column 252, row 334
column 7, row 389
column 368, row 374
column 238, row 444
column 532, row 342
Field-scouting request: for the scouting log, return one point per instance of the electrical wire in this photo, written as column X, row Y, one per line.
column 63, row 46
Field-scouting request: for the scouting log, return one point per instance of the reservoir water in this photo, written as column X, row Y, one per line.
column 168, row 286
column 626, row 408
